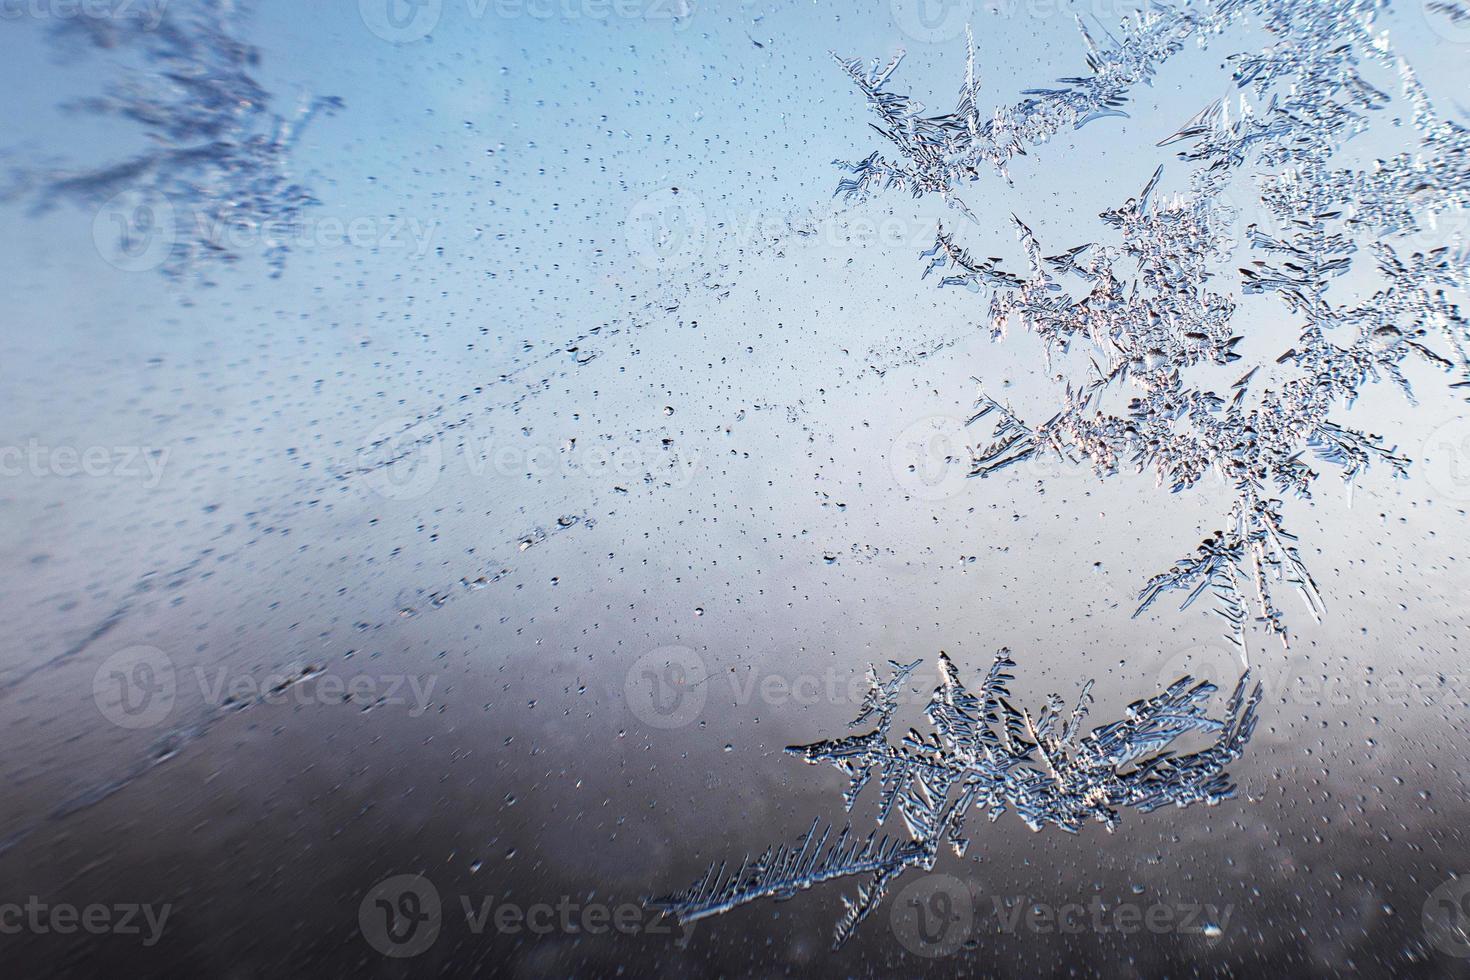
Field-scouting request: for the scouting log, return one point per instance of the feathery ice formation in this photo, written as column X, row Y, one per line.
column 985, row 754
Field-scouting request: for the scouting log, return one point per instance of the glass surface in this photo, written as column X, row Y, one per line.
column 454, row 447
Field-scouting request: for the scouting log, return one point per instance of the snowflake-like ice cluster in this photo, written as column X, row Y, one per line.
column 985, row 754
column 1143, row 303
column 218, row 155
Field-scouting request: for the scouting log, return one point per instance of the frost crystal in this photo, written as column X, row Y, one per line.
column 218, row 157
column 985, row 754
column 1142, row 303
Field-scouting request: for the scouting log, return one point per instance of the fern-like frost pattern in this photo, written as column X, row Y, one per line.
column 984, row 754
column 1141, row 301
column 217, row 155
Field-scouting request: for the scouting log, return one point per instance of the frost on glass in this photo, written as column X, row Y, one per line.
column 1139, row 300
column 985, row 754
column 217, row 162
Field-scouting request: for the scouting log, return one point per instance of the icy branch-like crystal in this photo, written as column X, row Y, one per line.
column 985, row 754
column 217, row 156
column 1143, row 303
column 945, row 151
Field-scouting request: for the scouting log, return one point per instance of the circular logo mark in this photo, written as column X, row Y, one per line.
column 1245, row 208
column 1446, row 459
column 932, row 21
column 400, row 21
column 1204, row 663
column 402, row 459
column 401, row 915
column 1446, row 228
column 666, row 230
column 135, row 232
column 934, row 916
column 929, row 458
column 680, row 12
column 1448, row 19
column 1447, row 917
column 667, row 687
column 1046, row 465
column 135, row 688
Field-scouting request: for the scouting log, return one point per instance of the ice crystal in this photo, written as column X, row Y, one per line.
column 984, row 754
column 1143, row 303
column 218, row 156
